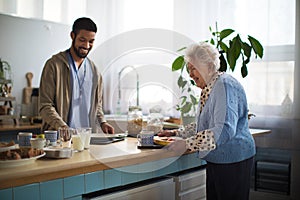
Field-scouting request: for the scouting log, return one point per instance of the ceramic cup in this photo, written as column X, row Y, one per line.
column 24, row 139
column 51, row 136
column 145, row 138
column 38, row 143
column 85, row 133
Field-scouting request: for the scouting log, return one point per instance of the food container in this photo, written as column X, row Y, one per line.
column 134, row 120
column 57, row 152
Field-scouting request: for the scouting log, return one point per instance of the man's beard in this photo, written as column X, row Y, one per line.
column 77, row 51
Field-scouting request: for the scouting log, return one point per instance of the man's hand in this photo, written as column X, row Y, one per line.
column 107, row 128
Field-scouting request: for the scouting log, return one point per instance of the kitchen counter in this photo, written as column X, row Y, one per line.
column 257, row 132
column 101, row 167
column 98, row 157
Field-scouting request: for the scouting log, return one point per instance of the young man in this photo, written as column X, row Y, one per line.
column 71, row 86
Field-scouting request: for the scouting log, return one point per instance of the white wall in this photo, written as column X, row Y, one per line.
column 26, row 44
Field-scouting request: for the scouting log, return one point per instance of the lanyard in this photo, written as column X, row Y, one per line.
column 76, row 72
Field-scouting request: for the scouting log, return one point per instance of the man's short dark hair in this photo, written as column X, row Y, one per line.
column 84, row 23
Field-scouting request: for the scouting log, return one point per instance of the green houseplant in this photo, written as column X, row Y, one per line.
column 231, row 49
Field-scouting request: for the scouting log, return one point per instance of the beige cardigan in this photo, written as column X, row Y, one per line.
column 55, row 94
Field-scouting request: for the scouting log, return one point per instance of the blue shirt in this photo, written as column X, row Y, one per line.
column 226, row 114
column 81, row 83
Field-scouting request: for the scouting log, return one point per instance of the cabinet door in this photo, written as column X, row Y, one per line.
column 155, row 191
column 191, row 185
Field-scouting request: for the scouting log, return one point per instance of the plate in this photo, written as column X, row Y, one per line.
column 20, row 162
column 162, row 140
column 7, row 148
column 168, row 125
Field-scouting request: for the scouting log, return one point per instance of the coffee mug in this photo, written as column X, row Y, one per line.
column 145, row 138
column 51, row 136
column 24, row 139
column 38, row 143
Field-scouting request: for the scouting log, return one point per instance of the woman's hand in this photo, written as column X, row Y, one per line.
column 178, row 146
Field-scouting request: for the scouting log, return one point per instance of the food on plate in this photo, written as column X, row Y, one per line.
column 163, row 140
column 16, row 154
column 7, row 144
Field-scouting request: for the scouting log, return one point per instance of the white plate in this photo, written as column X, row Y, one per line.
column 7, row 148
column 20, row 162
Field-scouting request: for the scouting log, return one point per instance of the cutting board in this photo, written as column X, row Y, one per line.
column 27, row 91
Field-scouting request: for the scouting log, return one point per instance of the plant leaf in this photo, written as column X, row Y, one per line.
column 178, row 63
column 186, row 107
column 192, row 82
column 231, row 59
column 193, row 99
column 257, row 47
column 224, row 33
column 183, row 48
column 223, row 46
column 236, row 46
column 247, row 49
column 181, row 82
column 244, row 71
column 223, row 63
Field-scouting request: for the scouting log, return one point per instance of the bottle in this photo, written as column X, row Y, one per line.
column 134, row 120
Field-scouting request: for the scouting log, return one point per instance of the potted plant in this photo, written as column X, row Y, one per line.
column 231, row 49
column 5, row 73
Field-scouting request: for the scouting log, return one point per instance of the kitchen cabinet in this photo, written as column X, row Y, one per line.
column 161, row 189
column 191, row 185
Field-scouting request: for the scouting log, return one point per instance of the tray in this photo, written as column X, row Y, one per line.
column 101, row 138
column 20, row 162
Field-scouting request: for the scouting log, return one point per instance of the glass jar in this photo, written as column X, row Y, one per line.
column 155, row 122
column 134, row 120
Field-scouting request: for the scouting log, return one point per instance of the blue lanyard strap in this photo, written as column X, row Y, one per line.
column 76, row 71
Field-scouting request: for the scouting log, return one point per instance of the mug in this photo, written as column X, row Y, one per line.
column 38, row 143
column 24, row 139
column 51, row 136
column 145, row 138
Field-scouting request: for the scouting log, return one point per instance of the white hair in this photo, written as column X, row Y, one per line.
column 203, row 53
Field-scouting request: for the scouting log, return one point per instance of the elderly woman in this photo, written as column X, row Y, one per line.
column 221, row 134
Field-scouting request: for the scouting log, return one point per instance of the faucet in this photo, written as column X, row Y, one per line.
column 137, row 84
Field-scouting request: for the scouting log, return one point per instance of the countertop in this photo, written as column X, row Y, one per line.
column 98, row 157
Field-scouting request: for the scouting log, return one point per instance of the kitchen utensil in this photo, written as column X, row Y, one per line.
column 27, row 91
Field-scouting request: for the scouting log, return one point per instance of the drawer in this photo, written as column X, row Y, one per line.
column 190, row 180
